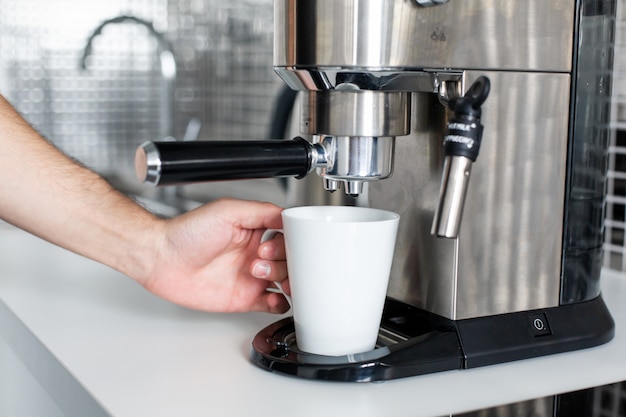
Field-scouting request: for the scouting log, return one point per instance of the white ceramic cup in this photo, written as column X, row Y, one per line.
column 339, row 260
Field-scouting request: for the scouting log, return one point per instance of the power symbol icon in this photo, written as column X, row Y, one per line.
column 539, row 325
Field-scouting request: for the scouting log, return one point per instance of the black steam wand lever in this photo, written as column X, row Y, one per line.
column 461, row 145
column 169, row 163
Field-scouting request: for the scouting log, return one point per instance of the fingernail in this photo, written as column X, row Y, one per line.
column 261, row 270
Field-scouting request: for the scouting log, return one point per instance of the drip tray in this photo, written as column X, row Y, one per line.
column 402, row 350
column 415, row 342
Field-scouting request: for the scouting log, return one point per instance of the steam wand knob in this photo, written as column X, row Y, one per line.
column 461, row 147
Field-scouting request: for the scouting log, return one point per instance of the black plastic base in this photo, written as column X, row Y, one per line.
column 415, row 342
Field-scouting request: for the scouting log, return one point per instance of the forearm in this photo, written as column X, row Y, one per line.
column 51, row 196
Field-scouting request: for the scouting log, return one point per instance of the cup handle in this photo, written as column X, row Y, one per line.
column 267, row 235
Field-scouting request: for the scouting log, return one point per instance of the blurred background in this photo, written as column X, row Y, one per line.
column 100, row 78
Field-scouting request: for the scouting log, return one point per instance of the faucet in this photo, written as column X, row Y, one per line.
column 171, row 197
column 167, row 64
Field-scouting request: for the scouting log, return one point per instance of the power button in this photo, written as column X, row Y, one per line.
column 539, row 325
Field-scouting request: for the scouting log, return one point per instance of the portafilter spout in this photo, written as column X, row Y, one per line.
column 461, row 146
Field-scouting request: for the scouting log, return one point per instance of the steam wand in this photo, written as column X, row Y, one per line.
column 461, row 146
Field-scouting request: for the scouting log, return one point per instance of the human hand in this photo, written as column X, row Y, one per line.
column 202, row 259
column 211, row 258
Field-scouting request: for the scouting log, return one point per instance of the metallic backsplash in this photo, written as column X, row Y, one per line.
column 223, row 53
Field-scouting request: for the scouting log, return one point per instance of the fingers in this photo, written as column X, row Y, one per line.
column 271, row 264
column 251, row 214
column 277, row 303
column 273, row 249
column 269, row 270
column 272, row 303
column 286, row 287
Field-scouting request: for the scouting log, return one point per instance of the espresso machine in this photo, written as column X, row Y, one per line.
column 485, row 125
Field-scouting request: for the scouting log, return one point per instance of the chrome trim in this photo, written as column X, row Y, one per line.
column 356, row 113
column 148, row 163
column 505, row 35
column 374, row 79
column 454, row 183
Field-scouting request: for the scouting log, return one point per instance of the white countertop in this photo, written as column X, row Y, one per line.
column 100, row 345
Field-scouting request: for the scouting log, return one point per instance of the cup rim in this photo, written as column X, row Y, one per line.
column 366, row 214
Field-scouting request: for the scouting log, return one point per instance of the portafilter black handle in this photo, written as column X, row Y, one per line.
column 168, row 163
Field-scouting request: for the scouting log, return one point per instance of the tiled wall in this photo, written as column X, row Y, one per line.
column 223, row 53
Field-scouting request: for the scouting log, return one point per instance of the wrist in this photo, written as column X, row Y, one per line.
column 142, row 250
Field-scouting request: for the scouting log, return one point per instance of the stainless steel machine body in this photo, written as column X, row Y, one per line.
column 509, row 255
